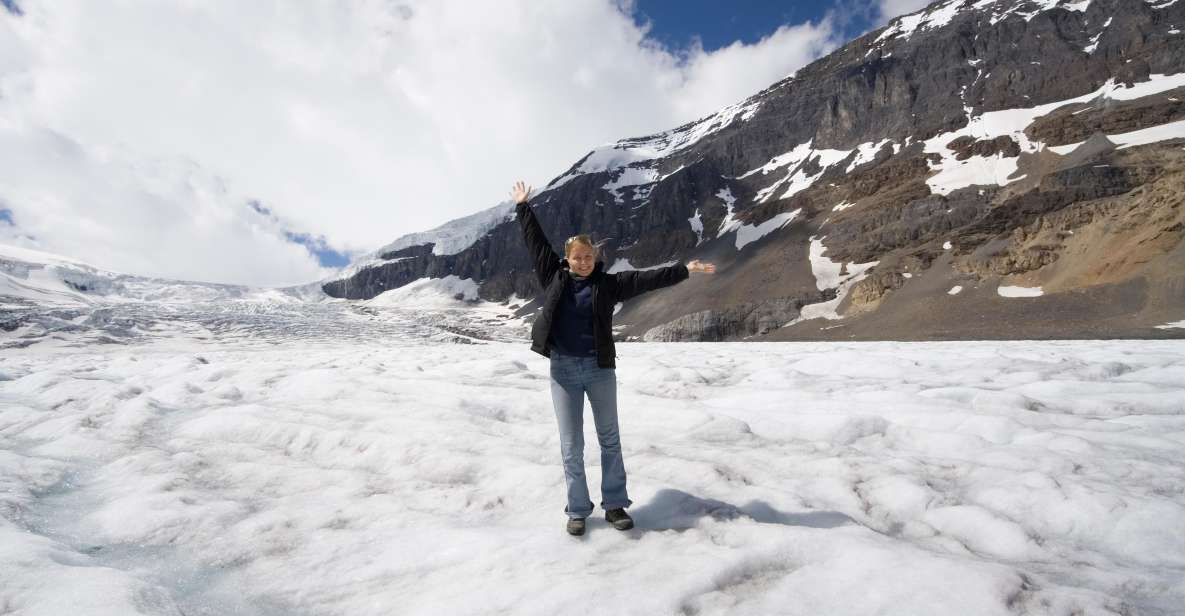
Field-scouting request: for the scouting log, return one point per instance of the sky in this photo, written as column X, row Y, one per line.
column 269, row 143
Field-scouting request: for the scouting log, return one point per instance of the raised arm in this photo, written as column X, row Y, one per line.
column 543, row 258
column 631, row 284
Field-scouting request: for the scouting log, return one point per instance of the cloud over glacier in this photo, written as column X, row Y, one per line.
column 153, row 126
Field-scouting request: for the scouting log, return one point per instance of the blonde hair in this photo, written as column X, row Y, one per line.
column 583, row 239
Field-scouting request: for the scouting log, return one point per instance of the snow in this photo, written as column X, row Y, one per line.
column 946, row 245
column 955, row 290
column 53, row 280
column 1011, row 291
column 729, row 222
column 450, row 238
column 830, row 275
column 1094, row 42
column 697, row 225
column 747, row 234
column 624, row 265
column 631, row 176
column 800, row 153
column 381, row 475
column 939, row 15
column 953, row 174
column 865, row 153
column 796, row 178
column 1156, row 84
column 1152, row 134
column 636, row 176
column 28, row 255
column 841, row 206
column 428, row 293
column 1173, row 325
column 633, row 151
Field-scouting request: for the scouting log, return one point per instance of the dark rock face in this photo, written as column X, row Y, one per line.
column 965, row 147
column 736, row 321
column 1077, row 123
column 863, row 113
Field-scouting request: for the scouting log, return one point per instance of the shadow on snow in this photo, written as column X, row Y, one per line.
column 677, row 510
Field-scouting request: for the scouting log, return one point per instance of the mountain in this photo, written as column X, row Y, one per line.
column 978, row 169
column 55, row 299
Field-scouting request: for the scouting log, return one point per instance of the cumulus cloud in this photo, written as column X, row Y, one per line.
column 151, row 127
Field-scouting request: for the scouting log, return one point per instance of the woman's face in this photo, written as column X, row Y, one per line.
column 581, row 259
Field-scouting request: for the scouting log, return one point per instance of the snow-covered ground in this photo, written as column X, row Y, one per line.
column 284, row 472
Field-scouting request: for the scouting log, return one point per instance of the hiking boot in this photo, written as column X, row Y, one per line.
column 576, row 526
column 619, row 519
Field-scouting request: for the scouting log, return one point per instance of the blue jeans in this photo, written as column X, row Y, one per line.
column 571, row 379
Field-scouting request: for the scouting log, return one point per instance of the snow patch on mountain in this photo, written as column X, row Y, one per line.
column 1094, row 41
column 641, row 177
column 953, row 174
column 1012, row 291
column 939, row 15
column 448, row 239
column 797, row 177
column 697, row 225
column 1144, row 136
column 865, row 153
column 747, row 234
column 628, row 152
column 830, row 275
column 729, row 222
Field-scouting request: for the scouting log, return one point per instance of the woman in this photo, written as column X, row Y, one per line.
column 575, row 329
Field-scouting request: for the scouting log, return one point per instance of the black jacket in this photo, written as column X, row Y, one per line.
column 608, row 289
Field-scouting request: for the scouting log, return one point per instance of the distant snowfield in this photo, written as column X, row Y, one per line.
column 382, row 476
column 1013, row 291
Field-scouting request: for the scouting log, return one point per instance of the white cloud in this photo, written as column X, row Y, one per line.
column 888, row 9
column 361, row 121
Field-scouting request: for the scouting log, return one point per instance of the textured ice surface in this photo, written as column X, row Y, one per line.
column 381, row 475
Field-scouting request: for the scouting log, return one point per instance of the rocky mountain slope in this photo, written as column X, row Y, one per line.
column 979, row 169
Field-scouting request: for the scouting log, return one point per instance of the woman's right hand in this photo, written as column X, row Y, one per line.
column 520, row 192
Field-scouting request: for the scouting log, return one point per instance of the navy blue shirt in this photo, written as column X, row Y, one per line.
column 572, row 329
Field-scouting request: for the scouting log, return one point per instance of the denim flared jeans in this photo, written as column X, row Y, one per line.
column 571, row 379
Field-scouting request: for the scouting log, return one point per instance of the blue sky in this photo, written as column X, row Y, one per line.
column 717, row 23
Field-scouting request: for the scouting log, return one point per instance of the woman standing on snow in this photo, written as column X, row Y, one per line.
column 575, row 329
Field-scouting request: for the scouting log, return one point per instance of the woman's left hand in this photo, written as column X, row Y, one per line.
column 701, row 267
